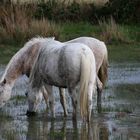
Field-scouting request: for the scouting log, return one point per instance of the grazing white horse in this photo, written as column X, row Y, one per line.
column 65, row 65
column 21, row 63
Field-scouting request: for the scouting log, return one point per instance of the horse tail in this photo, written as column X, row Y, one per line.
column 103, row 71
column 84, row 82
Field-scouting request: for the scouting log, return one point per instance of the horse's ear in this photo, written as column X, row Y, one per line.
column 4, row 81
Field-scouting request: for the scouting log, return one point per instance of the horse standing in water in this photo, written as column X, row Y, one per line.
column 101, row 57
column 99, row 50
column 71, row 66
column 21, row 63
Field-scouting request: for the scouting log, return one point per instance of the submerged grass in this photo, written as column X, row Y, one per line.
column 117, row 109
column 55, row 134
column 18, row 98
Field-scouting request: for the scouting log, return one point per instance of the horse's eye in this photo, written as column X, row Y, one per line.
column 4, row 81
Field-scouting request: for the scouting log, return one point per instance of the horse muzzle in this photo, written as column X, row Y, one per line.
column 30, row 113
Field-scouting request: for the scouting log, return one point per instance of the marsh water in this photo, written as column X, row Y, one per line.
column 119, row 118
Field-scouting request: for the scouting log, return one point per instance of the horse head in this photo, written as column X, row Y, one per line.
column 34, row 98
column 5, row 92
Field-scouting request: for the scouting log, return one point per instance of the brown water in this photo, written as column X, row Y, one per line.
column 118, row 120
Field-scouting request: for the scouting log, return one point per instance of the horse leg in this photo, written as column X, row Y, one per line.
column 51, row 99
column 99, row 93
column 63, row 100
column 46, row 96
column 74, row 103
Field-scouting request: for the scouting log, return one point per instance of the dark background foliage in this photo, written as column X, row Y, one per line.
column 123, row 11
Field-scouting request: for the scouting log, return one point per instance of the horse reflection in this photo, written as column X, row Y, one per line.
column 37, row 129
column 66, row 130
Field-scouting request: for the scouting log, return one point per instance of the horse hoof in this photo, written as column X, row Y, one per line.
column 30, row 113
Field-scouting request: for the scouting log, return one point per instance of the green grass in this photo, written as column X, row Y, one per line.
column 132, row 32
column 124, row 52
column 18, row 98
column 118, row 52
column 7, row 51
column 55, row 134
column 119, row 109
column 73, row 30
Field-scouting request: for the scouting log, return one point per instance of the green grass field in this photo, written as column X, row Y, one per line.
column 118, row 51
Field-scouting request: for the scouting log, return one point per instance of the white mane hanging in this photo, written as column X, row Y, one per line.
column 23, row 50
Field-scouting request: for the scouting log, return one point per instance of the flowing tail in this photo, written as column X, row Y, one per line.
column 84, row 82
column 103, row 71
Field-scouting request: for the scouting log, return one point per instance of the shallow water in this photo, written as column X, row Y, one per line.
column 118, row 120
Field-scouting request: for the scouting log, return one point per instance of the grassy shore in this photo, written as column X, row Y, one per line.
column 123, row 50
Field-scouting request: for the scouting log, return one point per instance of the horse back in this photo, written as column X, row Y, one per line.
column 60, row 66
column 69, row 64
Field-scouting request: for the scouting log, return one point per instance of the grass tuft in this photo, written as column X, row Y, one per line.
column 111, row 32
column 17, row 24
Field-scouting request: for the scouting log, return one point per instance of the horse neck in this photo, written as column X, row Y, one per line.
column 12, row 72
column 30, row 57
column 20, row 64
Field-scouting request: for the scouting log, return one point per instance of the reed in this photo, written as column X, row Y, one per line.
column 18, row 25
column 111, row 31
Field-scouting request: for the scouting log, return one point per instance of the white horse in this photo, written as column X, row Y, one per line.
column 65, row 65
column 21, row 63
column 101, row 57
column 99, row 50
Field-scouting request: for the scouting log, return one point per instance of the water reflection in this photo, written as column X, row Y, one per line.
column 65, row 130
column 102, row 127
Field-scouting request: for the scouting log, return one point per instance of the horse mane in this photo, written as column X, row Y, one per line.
column 37, row 39
column 35, row 79
column 19, row 57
